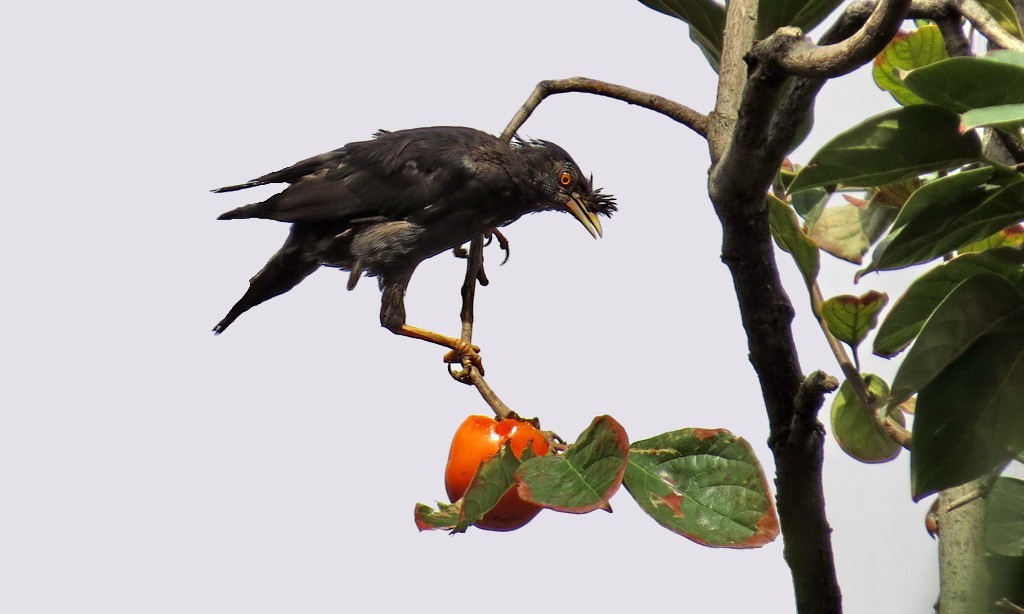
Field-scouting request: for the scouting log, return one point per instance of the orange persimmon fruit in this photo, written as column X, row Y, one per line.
column 478, row 439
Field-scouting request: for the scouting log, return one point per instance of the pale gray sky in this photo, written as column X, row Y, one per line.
column 147, row 466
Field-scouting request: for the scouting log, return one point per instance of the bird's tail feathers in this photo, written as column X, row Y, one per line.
column 243, row 212
column 241, row 186
column 283, row 272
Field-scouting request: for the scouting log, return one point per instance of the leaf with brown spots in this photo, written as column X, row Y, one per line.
column 704, row 484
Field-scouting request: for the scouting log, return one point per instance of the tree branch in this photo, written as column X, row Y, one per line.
column 802, row 93
column 740, row 26
column 809, row 400
column 763, row 132
column 788, row 50
column 953, row 36
column 659, row 104
column 974, row 12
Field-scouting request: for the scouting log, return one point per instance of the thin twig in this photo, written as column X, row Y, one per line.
column 490, row 397
column 896, row 431
column 974, row 495
column 1008, row 606
column 983, row 488
column 669, row 108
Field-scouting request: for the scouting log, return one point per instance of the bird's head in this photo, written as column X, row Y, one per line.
column 564, row 186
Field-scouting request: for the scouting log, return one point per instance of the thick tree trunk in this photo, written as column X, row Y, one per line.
column 963, row 577
column 796, row 437
column 741, row 174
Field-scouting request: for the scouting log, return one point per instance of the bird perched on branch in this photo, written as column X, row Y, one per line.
column 380, row 207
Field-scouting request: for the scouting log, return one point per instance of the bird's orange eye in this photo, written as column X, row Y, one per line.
column 565, row 178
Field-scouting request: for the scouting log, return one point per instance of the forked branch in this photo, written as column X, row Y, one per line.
column 788, row 50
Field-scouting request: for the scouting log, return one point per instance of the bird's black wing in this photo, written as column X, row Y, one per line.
column 388, row 177
column 293, row 173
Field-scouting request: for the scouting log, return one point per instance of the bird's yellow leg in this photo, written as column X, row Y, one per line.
column 459, row 348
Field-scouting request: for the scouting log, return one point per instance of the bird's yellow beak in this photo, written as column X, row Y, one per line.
column 584, row 216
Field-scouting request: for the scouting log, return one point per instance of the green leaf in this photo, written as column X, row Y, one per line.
column 810, row 203
column 791, row 239
column 1007, row 237
column 1002, row 11
column 838, row 231
column 847, row 231
column 894, row 195
column 907, row 51
column 970, row 420
column 970, row 312
column 893, row 146
column 1004, row 518
column 855, row 429
column 909, row 313
column 446, row 516
column 583, row 479
column 850, row 318
column 706, row 19
column 1005, row 56
column 492, row 480
column 949, row 213
column 803, row 14
column 1002, row 115
column 964, row 83
column 706, row 485
column 941, row 190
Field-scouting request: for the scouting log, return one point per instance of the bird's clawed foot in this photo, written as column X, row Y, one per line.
column 491, row 235
column 502, row 243
column 465, row 354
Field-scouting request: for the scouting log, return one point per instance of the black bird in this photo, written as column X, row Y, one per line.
column 382, row 206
